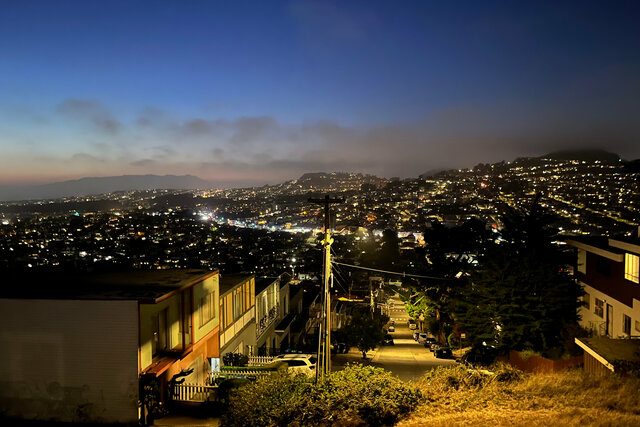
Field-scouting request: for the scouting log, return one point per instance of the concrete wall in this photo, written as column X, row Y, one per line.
column 69, row 360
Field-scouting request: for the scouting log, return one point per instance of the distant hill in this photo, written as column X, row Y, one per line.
column 585, row 155
column 89, row 186
column 432, row 172
column 344, row 180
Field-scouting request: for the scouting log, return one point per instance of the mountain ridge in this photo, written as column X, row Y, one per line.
column 98, row 185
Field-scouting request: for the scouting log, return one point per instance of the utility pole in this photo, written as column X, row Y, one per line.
column 324, row 344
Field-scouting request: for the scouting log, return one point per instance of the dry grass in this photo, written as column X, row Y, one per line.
column 457, row 396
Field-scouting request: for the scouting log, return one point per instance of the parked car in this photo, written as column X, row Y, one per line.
column 388, row 340
column 443, row 353
column 482, row 355
column 429, row 341
column 412, row 324
column 297, row 363
column 415, row 335
column 339, row 348
column 392, row 328
column 432, row 346
column 422, row 337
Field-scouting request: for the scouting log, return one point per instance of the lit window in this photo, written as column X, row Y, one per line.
column 632, row 267
column 599, row 308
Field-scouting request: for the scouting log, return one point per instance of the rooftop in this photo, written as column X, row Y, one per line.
column 612, row 350
column 146, row 286
column 230, row 281
column 263, row 283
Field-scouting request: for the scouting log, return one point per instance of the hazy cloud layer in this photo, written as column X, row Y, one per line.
column 261, row 149
column 91, row 111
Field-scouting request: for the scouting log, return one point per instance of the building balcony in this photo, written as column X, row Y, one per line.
column 266, row 320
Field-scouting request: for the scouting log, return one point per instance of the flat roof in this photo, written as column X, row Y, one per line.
column 610, row 350
column 230, row 281
column 263, row 283
column 147, row 286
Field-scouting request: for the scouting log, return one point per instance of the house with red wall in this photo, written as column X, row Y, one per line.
column 609, row 269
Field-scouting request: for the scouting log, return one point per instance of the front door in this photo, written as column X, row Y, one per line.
column 609, row 320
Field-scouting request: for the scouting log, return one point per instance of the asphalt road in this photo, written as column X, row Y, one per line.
column 407, row 359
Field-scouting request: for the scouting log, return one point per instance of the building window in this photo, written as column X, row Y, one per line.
column 626, row 324
column 237, row 304
column 160, row 331
column 632, row 267
column 637, row 326
column 586, row 299
column 582, row 261
column 207, row 308
column 599, row 308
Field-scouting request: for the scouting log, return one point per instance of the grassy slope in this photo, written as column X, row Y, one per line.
column 456, row 396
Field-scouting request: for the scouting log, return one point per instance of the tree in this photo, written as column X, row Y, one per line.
column 364, row 330
column 521, row 297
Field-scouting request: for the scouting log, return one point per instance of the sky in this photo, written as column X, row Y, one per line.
column 248, row 93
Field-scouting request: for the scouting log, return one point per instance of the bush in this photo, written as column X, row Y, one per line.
column 235, row 359
column 357, row 395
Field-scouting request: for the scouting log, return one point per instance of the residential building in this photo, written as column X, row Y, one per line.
column 81, row 348
column 237, row 310
column 268, row 313
column 608, row 270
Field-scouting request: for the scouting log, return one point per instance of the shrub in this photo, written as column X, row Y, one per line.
column 357, row 395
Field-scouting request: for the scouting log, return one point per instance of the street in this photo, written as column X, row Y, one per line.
column 407, row 359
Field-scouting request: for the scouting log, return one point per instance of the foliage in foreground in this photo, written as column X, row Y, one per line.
column 459, row 396
column 356, row 396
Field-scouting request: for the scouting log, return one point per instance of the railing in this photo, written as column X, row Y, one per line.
column 266, row 320
column 194, row 392
column 239, row 373
column 260, row 360
column 597, row 329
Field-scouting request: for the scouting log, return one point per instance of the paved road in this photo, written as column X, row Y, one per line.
column 407, row 359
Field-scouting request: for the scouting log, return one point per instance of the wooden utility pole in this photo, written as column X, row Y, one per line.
column 324, row 342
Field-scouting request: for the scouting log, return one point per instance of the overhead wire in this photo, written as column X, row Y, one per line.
column 418, row 276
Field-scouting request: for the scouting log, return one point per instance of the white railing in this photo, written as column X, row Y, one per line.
column 260, row 360
column 194, row 392
column 239, row 373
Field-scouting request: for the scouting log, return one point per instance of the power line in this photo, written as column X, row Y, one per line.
column 394, row 272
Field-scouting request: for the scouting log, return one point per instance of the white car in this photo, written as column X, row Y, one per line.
column 298, row 363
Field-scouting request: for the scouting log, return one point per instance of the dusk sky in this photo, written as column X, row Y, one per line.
column 245, row 93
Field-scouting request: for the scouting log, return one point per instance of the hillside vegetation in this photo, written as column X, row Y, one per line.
column 458, row 396
column 451, row 396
